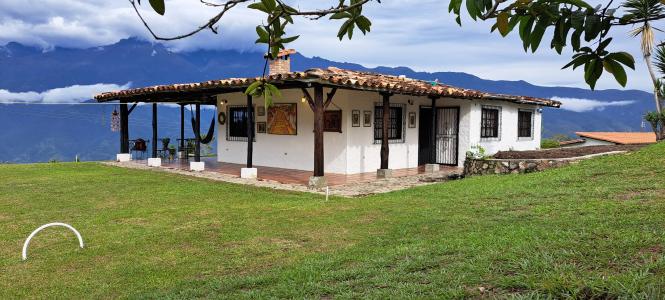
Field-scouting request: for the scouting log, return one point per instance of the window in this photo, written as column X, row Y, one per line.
column 524, row 123
column 395, row 123
column 489, row 127
column 237, row 123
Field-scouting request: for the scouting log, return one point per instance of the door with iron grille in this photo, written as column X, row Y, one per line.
column 447, row 135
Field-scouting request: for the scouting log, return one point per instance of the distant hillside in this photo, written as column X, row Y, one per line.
column 41, row 133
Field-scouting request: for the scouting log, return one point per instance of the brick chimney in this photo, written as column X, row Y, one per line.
column 282, row 63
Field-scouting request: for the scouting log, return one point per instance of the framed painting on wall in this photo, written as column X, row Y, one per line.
column 261, row 111
column 412, row 119
column 260, row 127
column 355, row 118
column 332, row 121
column 367, row 118
column 283, row 119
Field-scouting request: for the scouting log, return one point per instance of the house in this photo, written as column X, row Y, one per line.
column 611, row 138
column 348, row 122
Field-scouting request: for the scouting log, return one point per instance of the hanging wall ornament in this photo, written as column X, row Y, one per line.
column 115, row 121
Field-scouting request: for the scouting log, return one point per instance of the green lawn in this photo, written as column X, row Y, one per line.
column 595, row 229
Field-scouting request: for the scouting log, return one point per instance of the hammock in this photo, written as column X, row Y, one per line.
column 211, row 131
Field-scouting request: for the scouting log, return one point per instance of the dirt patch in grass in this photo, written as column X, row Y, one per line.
column 564, row 152
column 655, row 249
column 632, row 195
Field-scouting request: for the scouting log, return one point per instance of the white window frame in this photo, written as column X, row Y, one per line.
column 500, row 121
column 533, row 119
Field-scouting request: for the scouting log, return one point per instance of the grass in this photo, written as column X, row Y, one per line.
column 591, row 230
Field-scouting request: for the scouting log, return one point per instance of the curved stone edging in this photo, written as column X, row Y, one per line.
column 516, row 166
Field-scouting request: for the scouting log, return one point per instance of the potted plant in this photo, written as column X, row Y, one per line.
column 171, row 152
column 165, row 143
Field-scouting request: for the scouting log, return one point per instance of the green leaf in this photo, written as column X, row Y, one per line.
column 592, row 72
column 624, row 58
column 592, row 27
column 526, row 23
column 274, row 90
column 289, row 39
column 537, row 35
column 575, row 40
column 269, row 4
column 502, row 23
column 252, row 87
column 340, row 15
column 472, row 9
column 343, row 29
column 263, row 35
column 617, row 70
column 259, row 6
column 578, row 61
column 363, row 23
column 158, row 6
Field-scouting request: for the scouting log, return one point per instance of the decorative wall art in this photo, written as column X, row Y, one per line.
column 283, row 119
column 355, row 118
column 260, row 127
column 367, row 118
column 412, row 119
column 332, row 121
column 261, row 111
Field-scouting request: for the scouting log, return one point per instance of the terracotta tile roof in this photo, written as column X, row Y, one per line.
column 622, row 138
column 332, row 77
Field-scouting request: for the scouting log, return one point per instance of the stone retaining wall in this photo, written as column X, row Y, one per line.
column 516, row 166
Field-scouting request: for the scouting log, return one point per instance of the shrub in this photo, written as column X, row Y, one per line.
column 653, row 118
column 476, row 152
column 549, row 144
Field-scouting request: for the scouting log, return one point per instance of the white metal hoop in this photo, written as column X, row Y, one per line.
column 27, row 241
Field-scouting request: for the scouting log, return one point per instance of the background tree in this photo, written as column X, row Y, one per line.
column 646, row 10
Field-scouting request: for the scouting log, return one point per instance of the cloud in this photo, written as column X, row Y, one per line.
column 420, row 34
column 70, row 94
column 584, row 105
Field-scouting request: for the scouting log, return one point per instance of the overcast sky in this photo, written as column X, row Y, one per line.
column 419, row 34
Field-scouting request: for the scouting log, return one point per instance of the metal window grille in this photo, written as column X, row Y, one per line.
column 396, row 123
column 489, row 123
column 237, row 124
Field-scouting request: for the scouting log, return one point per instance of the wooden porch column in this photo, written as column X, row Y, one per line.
column 385, row 150
column 154, row 130
column 318, row 106
column 197, row 129
column 250, row 132
column 435, row 111
column 318, row 132
column 124, row 127
column 182, row 126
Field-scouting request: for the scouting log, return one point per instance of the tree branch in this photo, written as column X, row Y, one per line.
column 230, row 4
column 208, row 25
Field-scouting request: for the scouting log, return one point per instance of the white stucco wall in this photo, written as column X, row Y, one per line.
column 353, row 151
column 284, row 151
column 508, row 139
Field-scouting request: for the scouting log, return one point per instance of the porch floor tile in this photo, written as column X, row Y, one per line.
column 291, row 176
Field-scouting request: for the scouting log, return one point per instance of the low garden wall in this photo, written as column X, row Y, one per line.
column 516, row 166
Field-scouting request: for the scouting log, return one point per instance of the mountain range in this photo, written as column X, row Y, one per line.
column 34, row 133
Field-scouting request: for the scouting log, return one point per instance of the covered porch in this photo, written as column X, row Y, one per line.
column 317, row 90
